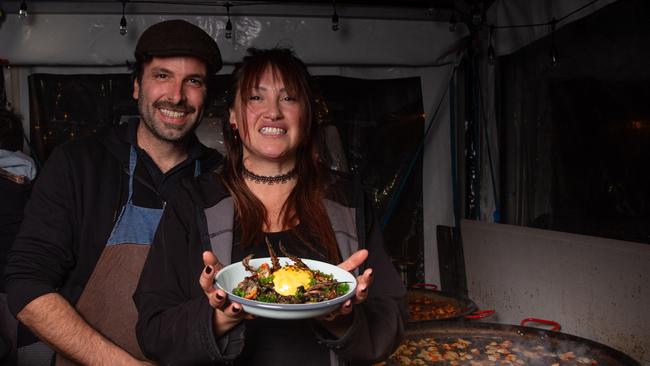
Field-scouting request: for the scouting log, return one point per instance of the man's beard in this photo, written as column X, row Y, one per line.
column 150, row 123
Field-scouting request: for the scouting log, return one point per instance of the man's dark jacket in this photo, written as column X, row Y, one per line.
column 76, row 200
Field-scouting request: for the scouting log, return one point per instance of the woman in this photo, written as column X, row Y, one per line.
column 273, row 187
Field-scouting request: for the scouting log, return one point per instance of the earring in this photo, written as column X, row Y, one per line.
column 235, row 135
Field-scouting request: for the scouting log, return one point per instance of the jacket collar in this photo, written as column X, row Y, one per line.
column 118, row 139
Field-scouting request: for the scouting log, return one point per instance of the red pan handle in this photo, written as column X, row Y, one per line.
column 428, row 286
column 480, row 314
column 556, row 325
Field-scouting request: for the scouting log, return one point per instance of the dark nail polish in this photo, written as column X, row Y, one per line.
column 364, row 290
column 235, row 310
column 208, row 269
column 219, row 297
column 370, row 274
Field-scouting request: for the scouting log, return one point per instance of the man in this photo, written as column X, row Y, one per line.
column 97, row 202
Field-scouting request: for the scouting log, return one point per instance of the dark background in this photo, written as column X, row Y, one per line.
column 575, row 137
column 380, row 124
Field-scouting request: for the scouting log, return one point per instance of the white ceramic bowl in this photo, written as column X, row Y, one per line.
column 230, row 276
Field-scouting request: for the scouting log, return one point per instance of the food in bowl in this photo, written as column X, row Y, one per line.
column 230, row 276
column 292, row 283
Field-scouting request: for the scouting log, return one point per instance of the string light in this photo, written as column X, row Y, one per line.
column 123, row 28
column 555, row 57
column 335, row 18
column 431, row 10
column 22, row 11
column 228, row 23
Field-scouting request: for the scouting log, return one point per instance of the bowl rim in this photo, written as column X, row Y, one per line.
column 288, row 307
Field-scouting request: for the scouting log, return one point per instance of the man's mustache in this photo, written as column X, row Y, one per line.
column 179, row 107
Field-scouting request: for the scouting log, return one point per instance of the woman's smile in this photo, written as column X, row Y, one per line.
column 272, row 131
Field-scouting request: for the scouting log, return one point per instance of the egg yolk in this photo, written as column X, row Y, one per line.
column 287, row 280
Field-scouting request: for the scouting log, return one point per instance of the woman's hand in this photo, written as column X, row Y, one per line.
column 363, row 281
column 338, row 321
column 227, row 314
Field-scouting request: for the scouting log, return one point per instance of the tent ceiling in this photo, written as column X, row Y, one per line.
column 437, row 10
column 423, row 4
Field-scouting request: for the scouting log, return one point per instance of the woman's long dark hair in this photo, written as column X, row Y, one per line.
column 305, row 202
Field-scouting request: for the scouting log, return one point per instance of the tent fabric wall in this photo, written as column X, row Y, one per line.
column 506, row 41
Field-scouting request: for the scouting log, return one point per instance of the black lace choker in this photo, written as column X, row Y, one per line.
column 278, row 179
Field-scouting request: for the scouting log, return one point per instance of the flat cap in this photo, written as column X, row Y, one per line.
column 178, row 38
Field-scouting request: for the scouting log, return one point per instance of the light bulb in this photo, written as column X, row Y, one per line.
column 491, row 53
column 477, row 18
column 491, row 56
column 22, row 11
column 555, row 56
column 228, row 23
column 335, row 21
column 123, row 28
column 452, row 23
column 228, row 29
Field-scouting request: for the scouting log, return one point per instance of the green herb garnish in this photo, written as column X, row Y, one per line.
column 238, row 292
column 342, row 288
column 269, row 297
column 266, row 280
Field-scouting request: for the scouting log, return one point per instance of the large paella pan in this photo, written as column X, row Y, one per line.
column 486, row 344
